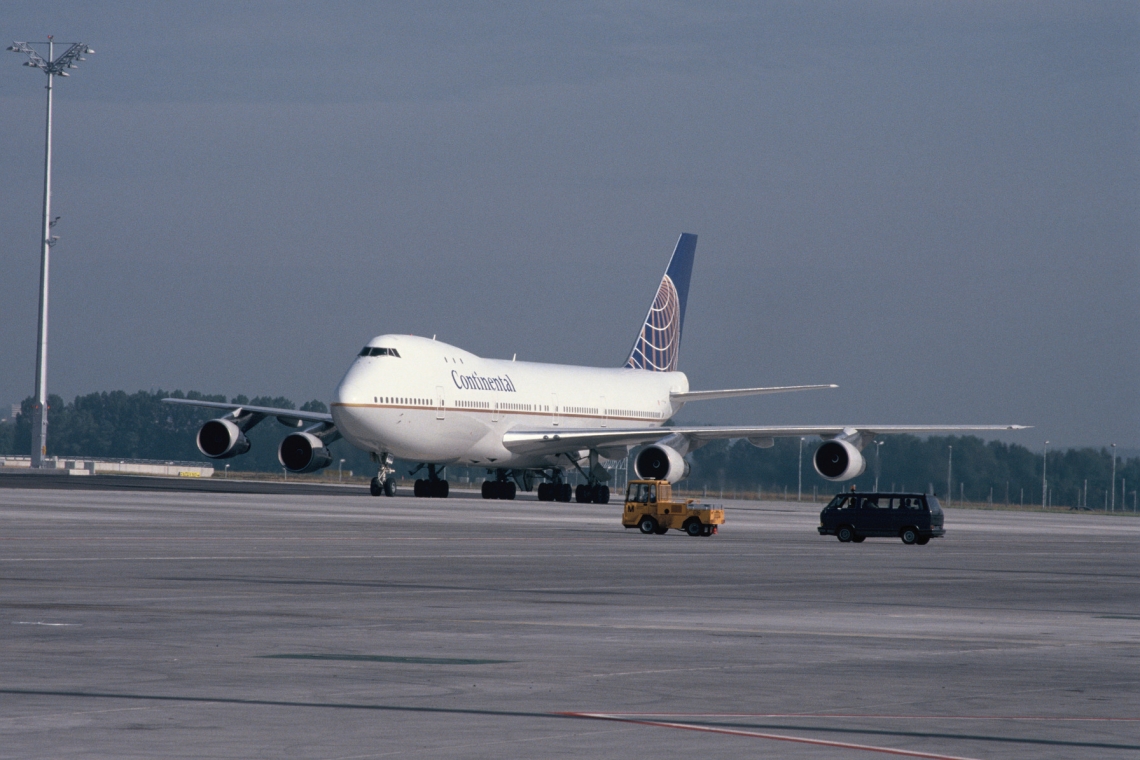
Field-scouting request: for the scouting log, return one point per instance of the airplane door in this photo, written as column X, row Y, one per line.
column 439, row 402
column 494, row 411
column 554, row 408
column 602, row 409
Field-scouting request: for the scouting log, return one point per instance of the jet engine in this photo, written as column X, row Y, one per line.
column 838, row 460
column 303, row 452
column 222, row 439
column 660, row 462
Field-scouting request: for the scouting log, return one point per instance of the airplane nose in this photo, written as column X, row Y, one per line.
column 353, row 388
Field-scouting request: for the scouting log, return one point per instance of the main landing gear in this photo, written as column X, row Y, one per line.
column 554, row 492
column 592, row 494
column 432, row 487
column 502, row 487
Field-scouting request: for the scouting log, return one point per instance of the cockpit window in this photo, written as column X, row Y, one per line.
column 373, row 351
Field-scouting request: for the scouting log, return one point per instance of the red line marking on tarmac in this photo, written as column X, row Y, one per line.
column 771, row 737
column 872, row 715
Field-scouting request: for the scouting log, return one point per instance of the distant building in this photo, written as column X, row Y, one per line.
column 15, row 411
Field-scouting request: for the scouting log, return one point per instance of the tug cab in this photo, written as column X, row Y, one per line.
column 650, row 507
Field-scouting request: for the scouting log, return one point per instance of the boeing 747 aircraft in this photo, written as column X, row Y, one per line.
column 424, row 401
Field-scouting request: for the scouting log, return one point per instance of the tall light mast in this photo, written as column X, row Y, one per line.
column 53, row 67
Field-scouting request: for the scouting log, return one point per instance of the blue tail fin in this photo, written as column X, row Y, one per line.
column 658, row 345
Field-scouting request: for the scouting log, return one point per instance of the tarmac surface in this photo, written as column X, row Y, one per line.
column 153, row 623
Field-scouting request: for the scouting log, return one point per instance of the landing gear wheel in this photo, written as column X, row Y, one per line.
column 389, row 487
column 694, row 528
column 544, row 493
column 582, row 494
column 845, row 533
column 564, row 492
column 490, row 489
column 506, row 490
column 438, row 488
column 647, row 525
column 600, row 494
column 923, row 541
column 376, row 487
column 418, row 488
column 908, row 535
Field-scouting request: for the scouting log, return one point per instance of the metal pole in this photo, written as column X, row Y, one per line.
column 878, row 464
column 1112, row 499
column 800, row 481
column 39, row 413
column 950, row 476
column 53, row 67
column 1044, row 482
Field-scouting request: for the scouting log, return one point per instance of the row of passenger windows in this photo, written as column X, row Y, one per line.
column 579, row 410
column 401, row 400
column 512, row 407
column 374, row 351
column 632, row 413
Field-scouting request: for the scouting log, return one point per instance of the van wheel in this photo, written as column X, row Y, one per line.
column 908, row 535
column 647, row 525
column 923, row 541
column 693, row 528
column 845, row 533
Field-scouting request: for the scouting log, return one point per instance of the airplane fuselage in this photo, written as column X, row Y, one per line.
column 426, row 401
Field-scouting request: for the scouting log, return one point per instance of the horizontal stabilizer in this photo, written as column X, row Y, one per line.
column 734, row 392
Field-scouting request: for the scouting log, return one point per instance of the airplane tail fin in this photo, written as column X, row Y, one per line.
column 658, row 345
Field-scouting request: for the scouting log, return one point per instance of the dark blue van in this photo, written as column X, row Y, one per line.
column 914, row 517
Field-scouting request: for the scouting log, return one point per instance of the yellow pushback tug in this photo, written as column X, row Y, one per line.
column 649, row 507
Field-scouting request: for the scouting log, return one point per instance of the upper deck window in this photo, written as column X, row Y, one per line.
column 373, row 351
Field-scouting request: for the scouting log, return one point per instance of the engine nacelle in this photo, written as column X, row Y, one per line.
column 659, row 462
column 221, row 439
column 303, row 452
column 838, row 460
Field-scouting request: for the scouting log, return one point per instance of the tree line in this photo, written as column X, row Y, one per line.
column 139, row 426
column 980, row 471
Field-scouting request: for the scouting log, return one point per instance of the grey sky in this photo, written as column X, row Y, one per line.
column 933, row 205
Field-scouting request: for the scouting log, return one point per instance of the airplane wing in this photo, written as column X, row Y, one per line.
column 289, row 417
column 734, row 392
column 559, row 441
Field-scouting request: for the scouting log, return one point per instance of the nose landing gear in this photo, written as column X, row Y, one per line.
column 383, row 484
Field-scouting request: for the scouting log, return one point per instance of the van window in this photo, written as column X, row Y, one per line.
column 841, row 502
column 872, row 502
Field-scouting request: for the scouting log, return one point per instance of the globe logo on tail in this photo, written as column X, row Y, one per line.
column 658, row 347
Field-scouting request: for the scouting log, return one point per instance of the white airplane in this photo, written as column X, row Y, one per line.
column 422, row 400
